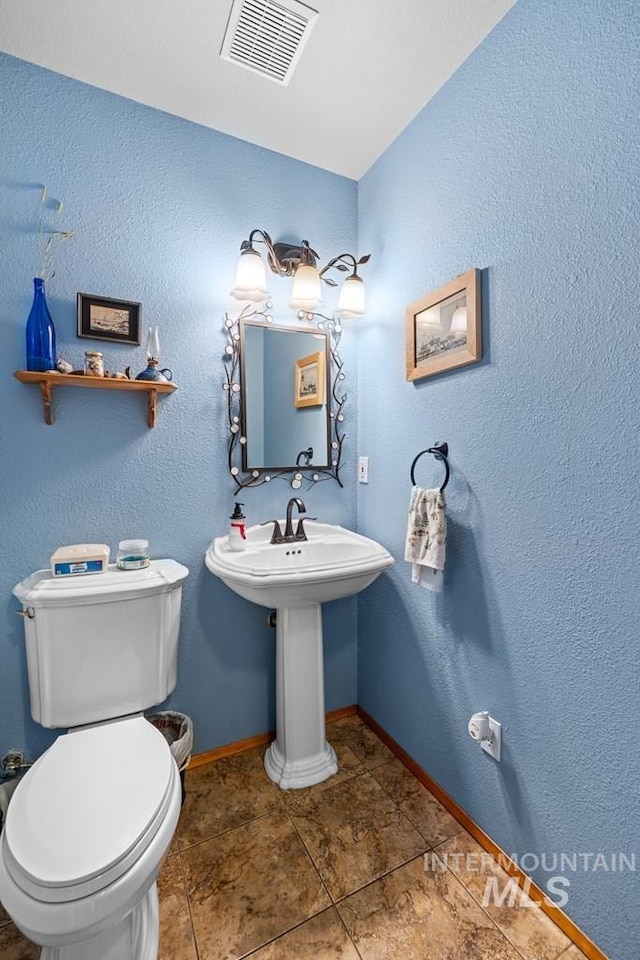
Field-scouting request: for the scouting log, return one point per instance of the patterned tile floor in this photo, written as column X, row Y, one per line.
column 333, row 872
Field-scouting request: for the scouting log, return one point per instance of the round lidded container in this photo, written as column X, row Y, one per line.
column 133, row 554
column 93, row 364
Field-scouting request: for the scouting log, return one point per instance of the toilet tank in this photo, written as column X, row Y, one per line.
column 103, row 645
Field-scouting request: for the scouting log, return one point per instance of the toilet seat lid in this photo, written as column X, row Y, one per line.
column 86, row 804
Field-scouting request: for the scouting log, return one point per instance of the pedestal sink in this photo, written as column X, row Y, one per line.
column 296, row 578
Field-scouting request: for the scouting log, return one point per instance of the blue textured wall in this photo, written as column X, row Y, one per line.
column 525, row 165
column 159, row 206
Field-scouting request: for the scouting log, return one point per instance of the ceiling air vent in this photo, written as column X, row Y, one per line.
column 268, row 37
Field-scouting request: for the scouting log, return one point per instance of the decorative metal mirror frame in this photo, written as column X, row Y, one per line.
column 232, row 387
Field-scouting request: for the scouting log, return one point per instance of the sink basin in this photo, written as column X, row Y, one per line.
column 332, row 563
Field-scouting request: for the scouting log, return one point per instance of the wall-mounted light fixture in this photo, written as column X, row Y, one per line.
column 300, row 262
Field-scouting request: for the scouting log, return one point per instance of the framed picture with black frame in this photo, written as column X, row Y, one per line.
column 102, row 318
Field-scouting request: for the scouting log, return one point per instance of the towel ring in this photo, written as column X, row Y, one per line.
column 440, row 452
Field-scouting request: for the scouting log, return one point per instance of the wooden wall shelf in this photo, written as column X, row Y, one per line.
column 47, row 382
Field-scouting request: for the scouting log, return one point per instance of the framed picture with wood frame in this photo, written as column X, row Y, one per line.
column 102, row 318
column 309, row 383
column 444, row 328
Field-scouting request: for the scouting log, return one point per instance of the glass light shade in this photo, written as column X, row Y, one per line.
column 459, row 320
column 351, row 299
column 153, row 344
column 251, row 278
column 306, row 288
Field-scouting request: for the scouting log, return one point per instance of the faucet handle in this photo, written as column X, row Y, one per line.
column 277, row 536
column 301, row 533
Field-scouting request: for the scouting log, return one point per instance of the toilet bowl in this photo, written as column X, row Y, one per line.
column 89, row 823
column 85, row 835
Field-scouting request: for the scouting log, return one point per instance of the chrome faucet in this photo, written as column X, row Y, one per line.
column 289, row 536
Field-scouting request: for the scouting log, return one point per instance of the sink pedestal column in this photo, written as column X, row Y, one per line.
column 300, row 755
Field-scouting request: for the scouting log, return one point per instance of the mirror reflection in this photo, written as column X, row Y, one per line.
column 285, row 397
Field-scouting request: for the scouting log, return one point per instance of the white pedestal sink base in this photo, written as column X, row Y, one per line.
column 300, row 755
column 295, row 579
column 293, row 775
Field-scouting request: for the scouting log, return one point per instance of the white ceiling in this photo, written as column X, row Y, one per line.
column 368, row 68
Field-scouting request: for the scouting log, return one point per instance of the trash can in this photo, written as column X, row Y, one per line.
column 177, row 729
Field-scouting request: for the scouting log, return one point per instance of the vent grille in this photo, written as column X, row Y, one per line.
column 268, row 37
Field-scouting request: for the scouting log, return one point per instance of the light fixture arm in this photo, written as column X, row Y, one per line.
column 277, row 265
column 340, row 263
column 284, row 258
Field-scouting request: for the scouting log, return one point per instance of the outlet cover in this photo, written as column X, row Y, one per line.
column 494, row 746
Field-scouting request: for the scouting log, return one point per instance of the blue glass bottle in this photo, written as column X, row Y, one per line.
column 41, row 337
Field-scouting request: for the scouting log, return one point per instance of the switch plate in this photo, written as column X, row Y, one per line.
column 363, row 469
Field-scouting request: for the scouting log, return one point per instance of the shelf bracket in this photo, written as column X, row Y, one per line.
column 45, row 390
column 152, row 397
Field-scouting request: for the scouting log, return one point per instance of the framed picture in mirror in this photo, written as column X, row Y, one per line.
column 444, row 328
column 309, row 381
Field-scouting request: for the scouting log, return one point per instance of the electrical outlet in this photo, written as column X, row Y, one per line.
column 493, row 746
column 363, row 469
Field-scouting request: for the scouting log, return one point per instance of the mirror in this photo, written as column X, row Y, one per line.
column 285, row 395
column 285, row 412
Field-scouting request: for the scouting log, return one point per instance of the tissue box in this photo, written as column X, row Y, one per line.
column 79, row 558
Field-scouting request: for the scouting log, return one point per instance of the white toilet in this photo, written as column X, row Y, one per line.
column 90, row 822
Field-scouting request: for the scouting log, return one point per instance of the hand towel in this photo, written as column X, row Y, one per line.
column 426, row 536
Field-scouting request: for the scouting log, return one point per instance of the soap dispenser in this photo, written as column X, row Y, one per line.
column 237, row 529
